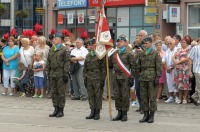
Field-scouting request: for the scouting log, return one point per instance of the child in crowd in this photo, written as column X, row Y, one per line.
column 22, row 79
column 38, row 69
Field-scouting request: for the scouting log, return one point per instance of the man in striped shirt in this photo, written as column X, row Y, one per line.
column 194, row 59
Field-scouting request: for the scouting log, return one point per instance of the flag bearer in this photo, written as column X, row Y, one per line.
column 94, row 74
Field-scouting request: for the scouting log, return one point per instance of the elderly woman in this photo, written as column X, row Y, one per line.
column 26, row 52
column 10, row 64
column 181, row 78
column 162, row 79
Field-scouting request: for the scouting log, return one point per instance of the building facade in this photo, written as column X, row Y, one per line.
column 124, row 17
column 182, row 18
column 7, row 20
column 34, row 16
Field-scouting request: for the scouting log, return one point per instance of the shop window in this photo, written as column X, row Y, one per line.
column 194, row 33
column 133, row 32
column 194, row 20
column 111, row 16
column 136, row 16
column 124, row 31
column 150, row 30
column 123, row 16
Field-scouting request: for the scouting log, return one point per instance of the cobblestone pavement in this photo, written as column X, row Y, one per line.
column 28, row 114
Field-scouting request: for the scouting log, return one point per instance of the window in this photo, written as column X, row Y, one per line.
column 7, row 14
column 194, row 20
column 111, row 16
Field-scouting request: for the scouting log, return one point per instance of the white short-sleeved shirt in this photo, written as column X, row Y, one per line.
column 194, row 55
column 26, row 55
column 38, row 65
column 168, row 57
column 80, row 52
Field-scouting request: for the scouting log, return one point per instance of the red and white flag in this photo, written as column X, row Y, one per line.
column 103, row 37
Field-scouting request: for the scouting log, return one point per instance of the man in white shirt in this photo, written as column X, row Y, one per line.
column 177, row 39
column 170, row 70
column 80, row 53
column 194, row 59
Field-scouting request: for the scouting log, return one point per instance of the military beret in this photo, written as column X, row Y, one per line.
column 122, row 38
column 147, row 39
column 92, row 41
column 59, row 35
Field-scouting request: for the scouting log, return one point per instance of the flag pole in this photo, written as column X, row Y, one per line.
column 108, row 77
column 108, row 74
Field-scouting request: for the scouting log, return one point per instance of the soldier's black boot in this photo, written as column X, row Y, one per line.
column 119, row 116
column 55, row 112
column 91, row 116
column 97, row 114
column 145, row 118
column 124, row 116
column 60, row 112
column 151, row 117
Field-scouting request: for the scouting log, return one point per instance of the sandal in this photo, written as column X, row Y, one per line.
column 184, row 101
column 158, row 100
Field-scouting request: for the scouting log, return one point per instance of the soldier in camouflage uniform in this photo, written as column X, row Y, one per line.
column 149, row 67
column 94, row 74
column 58, row 65
column 122, row 81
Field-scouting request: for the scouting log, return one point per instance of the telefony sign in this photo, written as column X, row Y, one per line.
column 71, row 3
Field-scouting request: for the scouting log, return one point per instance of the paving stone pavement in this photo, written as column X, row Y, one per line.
column 28, row 114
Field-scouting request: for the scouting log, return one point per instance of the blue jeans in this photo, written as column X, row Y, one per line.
column 137, row 88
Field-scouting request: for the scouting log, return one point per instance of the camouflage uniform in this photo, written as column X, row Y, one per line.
column 94, row 72
column 121, row 83
column 58, row 65
column 149, row 68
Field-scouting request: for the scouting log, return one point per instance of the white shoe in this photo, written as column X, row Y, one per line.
column 3, row 93
column 134, row 103
column 177, row 101
column 170, row 99
column 11, row 94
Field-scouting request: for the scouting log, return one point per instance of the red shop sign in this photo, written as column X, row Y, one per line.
column 93, row 3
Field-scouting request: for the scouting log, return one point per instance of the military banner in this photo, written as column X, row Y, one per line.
column 103, row 37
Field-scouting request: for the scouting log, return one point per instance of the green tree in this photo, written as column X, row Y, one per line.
column 22, row 14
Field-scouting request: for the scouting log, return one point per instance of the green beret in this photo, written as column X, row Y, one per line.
column 59, row 35
column 121, row 38
column 147, row 39
column 91, row 41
